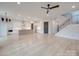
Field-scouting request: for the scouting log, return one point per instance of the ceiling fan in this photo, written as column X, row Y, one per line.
column 49, row 8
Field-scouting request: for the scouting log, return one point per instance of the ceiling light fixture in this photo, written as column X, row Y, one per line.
column 18, row 3
column 73, row 6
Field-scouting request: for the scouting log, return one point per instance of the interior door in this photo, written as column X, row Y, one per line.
column 45, row 27
column 32, row 26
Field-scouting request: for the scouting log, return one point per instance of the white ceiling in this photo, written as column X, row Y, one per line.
column 33, row 10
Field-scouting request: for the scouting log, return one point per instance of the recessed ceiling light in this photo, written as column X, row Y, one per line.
column 18, row 2
column 73, row 6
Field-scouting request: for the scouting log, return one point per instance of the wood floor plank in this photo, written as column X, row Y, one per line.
column 39, row 45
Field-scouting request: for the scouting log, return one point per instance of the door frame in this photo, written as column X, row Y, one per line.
column 46, row 28
column 32, row 26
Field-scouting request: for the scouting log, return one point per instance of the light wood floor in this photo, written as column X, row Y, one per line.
column 39, row 45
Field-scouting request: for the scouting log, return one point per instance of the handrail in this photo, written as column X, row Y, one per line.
column 64, row 24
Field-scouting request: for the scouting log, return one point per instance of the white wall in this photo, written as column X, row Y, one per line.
column 27, row 25
column 3, row 29
column 17, row 25
column 5, row 26
column 39, row 27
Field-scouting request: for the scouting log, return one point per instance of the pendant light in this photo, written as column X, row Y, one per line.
column 2, row 19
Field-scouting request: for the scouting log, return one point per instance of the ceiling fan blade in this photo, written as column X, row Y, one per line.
column 54, row 7
column 44, row 7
